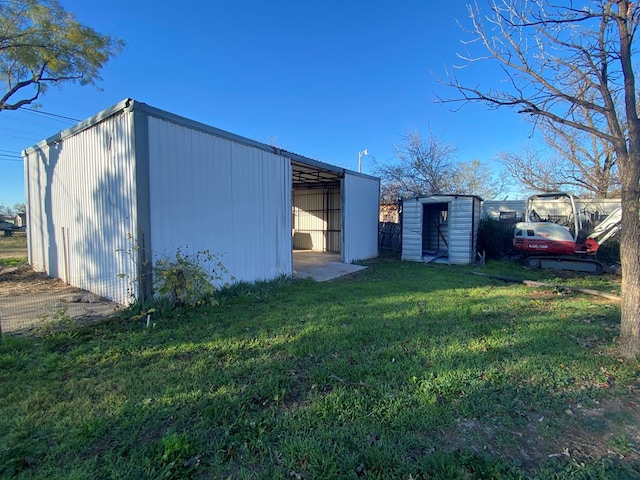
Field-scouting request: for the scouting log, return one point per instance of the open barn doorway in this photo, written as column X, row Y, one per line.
column 316, row 216
column 334, row 211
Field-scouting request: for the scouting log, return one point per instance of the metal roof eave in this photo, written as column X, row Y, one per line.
column 437, row 195
column 80, row 126
column 129, row 104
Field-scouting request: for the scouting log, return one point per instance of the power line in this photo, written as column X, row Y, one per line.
column 50, row 114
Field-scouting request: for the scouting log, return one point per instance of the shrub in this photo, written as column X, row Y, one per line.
column 188, row 279
column 495, row 239
column 609, row 252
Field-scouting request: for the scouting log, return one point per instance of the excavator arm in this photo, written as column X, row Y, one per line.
column 609, row 227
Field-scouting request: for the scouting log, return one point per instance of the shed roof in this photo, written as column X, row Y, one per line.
column 440, row 196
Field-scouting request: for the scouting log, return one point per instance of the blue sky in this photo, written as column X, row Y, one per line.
column 324, row 79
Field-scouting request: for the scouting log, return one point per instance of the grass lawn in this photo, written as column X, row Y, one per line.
column 402, row 371
column 14, row 246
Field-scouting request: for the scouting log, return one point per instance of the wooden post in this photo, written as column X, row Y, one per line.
column 66, row 263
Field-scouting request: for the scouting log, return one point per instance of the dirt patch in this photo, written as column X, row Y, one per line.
column 609, row 428
column 31, row 300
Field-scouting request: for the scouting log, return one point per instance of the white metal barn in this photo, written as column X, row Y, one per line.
column 441, row 228
column 132, row 184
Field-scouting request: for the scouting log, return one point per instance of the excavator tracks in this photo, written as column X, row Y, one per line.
column 575, row 264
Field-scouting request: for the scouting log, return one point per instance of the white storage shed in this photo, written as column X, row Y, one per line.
column 110, row 196
column 441, row 228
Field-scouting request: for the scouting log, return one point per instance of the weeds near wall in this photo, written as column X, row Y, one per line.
column 189, row 279
column 132, row 252
column 185, row 280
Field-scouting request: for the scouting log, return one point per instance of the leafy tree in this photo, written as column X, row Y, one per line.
column 426, row 166
column 560, row 62
column 42, row 44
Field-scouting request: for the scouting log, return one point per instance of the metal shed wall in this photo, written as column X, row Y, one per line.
column 211, row 193
column 360, row 212
column 412, row 230
column 463, row 220
column 464, row 216
column 80, row 189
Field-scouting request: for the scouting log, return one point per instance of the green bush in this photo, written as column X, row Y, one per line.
column 188, row 279
column 609, row 253
column 494, row 239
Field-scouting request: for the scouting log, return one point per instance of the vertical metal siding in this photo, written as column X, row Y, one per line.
column 461, row 230
column 360, row 206
column 470, row 208
column 477, row 216
column 317, row 219
column 412, row 230
column 460, row 234
column 310, row 220
column 81, row 207
column 334, row 220
column 209, row 193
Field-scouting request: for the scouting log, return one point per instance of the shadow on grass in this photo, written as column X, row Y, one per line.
column 397, row 371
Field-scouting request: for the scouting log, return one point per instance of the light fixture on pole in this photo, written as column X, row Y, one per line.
column 364, row 152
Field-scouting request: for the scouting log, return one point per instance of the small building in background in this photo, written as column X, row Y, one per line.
column 591, row 208
column 441, row 228
column 20, row 220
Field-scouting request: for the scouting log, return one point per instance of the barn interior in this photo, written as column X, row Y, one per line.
column 316, row 220
column 316, row 216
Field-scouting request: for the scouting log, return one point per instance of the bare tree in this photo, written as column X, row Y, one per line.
column 576, row 161
column 477, row 178
column 561, row 61
column 587, row 162
column 426, row 166
column 535, row 171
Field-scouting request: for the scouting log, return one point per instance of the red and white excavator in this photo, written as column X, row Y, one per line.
column 551, row 240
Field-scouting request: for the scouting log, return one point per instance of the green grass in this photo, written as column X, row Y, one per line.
column 402, row 371
column 13, row 247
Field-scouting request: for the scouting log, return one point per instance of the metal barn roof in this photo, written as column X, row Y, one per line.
column 306, row 172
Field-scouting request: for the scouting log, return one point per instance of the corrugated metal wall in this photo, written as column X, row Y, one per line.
column 360, row 204
column 461, row 226
column 317, row 219
column 412, row 230
column 210, row 193
column 81, row 208
column 477, row 217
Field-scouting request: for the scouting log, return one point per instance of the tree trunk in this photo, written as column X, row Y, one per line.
column 630, row 254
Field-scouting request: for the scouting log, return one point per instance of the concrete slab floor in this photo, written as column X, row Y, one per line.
column 321, row 266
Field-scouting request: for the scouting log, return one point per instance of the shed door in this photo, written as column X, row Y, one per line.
column 435, row 228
